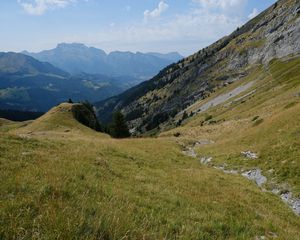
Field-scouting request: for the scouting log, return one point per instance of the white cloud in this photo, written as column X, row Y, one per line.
column 39, row 7
column 253, row 14
column 225, row 6
column 162, row 7
column 186, row 33
column 220, row 3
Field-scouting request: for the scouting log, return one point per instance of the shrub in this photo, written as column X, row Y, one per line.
column 179, row 122
column 208, row 117
column 177, row 134
column 87, row 116
column 185, row 115
column 257, row 122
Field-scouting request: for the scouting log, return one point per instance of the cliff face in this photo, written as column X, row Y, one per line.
column 275, row 33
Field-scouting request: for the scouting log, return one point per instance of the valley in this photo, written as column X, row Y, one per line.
column 57, row 170
column 208, row 148
column 29, row 82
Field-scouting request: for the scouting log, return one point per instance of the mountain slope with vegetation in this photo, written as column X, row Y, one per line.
column 224, row 166
column 273, row 34
column 263, row 120
column 14, row 63
column 123, row 189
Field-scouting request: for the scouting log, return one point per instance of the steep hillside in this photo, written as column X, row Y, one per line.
column 256, row 129
column 273, row 34
column 76, row 58
column 29, row 85
column 62, row 180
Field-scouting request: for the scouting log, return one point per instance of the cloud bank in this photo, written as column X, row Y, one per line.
column 205, row 22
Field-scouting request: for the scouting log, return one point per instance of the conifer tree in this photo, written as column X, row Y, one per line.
column 119, row 128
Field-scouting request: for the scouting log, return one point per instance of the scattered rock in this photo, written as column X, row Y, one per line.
column 276, row 191
column 26, row 153
column 261, row 238
column 294, row 203
column 206, row 160
column 255, row 175
column 231, row 171
column 272, row 235
column 204, row 142
column 190, row 152
column 250, row 155
column 27, row 136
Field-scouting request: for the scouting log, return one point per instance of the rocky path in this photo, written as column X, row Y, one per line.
column 254, row 174
column 224, row 97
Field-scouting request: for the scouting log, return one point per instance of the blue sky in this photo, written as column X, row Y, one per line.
column 127, row 25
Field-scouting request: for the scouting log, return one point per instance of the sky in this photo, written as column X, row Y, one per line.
column 185, row 26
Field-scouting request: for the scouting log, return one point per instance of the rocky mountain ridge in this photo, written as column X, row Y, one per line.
column 77, row 58
column 275, row 33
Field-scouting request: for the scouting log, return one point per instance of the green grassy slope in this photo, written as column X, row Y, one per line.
column 85, row 185
column 266, row 122
column 59, row 122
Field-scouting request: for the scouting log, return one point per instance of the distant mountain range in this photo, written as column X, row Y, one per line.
column 38, row 81
column 77, row 58
column 30, row 85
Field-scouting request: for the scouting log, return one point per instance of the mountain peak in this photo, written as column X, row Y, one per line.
column 71, row 45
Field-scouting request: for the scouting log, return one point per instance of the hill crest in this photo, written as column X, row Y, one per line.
column 64, row 119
